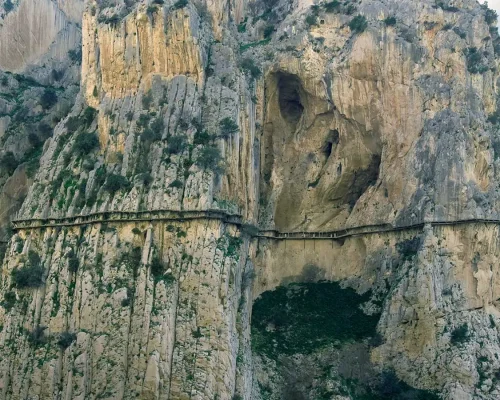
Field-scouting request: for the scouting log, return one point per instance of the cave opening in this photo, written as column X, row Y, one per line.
column 290, row 102
column 332, row 140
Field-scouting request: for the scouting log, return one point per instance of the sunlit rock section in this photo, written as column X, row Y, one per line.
column 123, row 311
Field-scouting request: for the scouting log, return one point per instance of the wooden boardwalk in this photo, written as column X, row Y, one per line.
column 229, row 218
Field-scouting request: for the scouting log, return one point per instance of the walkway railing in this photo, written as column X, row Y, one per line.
column 224, row 216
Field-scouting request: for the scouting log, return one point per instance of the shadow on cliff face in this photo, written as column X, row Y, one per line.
column 313, row 341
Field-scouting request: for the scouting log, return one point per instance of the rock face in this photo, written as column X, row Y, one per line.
column 35, row 32
column 376, row 119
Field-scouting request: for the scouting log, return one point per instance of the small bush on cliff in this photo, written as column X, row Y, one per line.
column 85, row 143
column 37, row 336
column 460, row 334
column 311, row 20
column 8, row 162
column 210, row 159
column 65, row 339
column 475, row 61
column 73, row 262
column 8, row 6
column 115, row 182
column 88, row 116
column 48, row 98
column 30, row 275
column 249, row 66
column 390, row 21
column 180, row 4
column 332, row 6
column 358, row 24
column 409, row 248
column 176, row 144
column 490, row 16
column 228, row 127
column 75, row 55
column 9, row 300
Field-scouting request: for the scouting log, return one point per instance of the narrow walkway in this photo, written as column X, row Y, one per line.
column 226, row 217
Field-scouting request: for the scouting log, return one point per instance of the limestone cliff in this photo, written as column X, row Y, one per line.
column 252, row 200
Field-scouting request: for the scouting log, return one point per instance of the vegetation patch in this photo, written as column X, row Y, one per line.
column 29, row 275
column 115, row 182
column 476, row 60
column 358, row 24
column 301, row 318
column 65, row 339
column 409, row 248
column 460, row 335
column 85, row 143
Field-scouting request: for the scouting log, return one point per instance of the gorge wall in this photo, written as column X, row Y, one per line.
column 286, row 118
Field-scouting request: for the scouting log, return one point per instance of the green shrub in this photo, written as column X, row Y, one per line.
column 177, row 184
column 180, row 4
column 157, row 268
column 202, row 137
column 475, row 61
column 332, row 6
column 5, row 81
column 115, row 182
column 145, row 178
column 149, row 135
column 129, row 115
column 390, row 21
column 210, row 158
column 72, row 124
column 85, row 143
column 490, row 16
column 143, row 120
column 460, row 334
column 88, row 116
column 311, row 20
column 9, row 162
column 248, row 65
column 228, row 127
column 9, row 300
column 242, row 27
column 111, row 20
column 28, row 276
column 65, row 339
column 147, row 100
column 159, row 2
column 37, row 337
column 48, row 98
column 158, row 125
column 358, row 24
column 268, row 31
column 73, row 262
column 176, row 144
column 136, row 231
column 8, row 6
column 409, row 248
column 75, row 55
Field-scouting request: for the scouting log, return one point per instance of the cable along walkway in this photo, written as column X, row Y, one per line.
column 230, row 218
